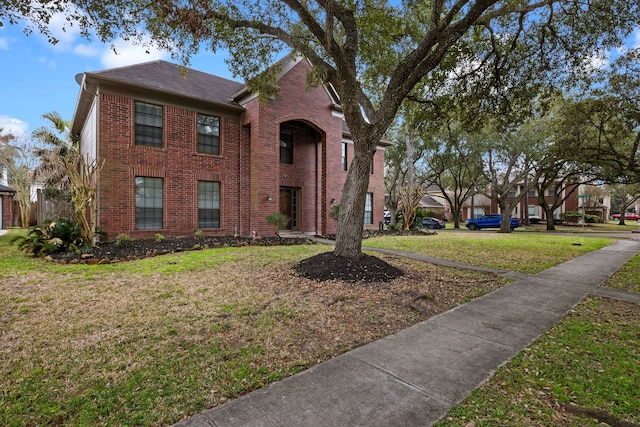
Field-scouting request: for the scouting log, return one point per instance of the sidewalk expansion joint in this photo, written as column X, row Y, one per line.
column 408, row 384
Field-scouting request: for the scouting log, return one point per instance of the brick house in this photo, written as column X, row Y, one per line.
column 478, row 205
column 529, row 203
column 193, row 151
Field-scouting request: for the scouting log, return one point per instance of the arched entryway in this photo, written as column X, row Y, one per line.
column 300, row 175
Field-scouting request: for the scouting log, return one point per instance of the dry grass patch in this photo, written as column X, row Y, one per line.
column 154, row 341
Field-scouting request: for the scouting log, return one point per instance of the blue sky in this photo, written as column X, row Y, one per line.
column 37, row 77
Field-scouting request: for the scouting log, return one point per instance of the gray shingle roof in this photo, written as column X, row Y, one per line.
column 5, row 189
column 430, row 202
column 167, row 77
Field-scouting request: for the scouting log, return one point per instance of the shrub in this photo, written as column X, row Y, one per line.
column 574, row 217
column 278, row 220
column 334, row 212
column 122, row 240
column 58, row 235
column 159, row 237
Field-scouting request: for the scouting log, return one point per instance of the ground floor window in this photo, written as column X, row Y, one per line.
column 477, row 212
column 149, row 202
column 208, row 204
column 368, row 209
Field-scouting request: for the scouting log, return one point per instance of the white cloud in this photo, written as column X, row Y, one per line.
column 87, row 50
column 4, row 44
column 65, row 33
column 128, row 54
column 597, row 61
column 635, row 39
column 47, row 62
column 16, row 127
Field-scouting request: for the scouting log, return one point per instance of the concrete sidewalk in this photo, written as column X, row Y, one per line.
column 412, row 378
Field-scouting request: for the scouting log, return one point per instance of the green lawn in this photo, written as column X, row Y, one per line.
column 523, row 252
column 589, row 363
column 151, row 341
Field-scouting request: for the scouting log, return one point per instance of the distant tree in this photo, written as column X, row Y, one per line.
column 8, row 152
column 14, row 160
column 455, row 162
column 509, row 157
column 626, row 195
column 19, row 168
column 20, row 179
column 602, row 127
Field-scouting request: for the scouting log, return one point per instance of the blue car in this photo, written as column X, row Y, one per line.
column 490, row 221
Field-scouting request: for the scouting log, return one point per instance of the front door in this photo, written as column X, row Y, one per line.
column 289, row 206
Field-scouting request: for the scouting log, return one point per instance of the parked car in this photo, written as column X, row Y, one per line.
column 490, row 221
column 628, row 216
column 432, row 223
column 387, row 217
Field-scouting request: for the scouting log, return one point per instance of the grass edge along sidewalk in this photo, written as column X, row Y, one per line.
column 171, row 264
column 583, row 371
column 411, row 377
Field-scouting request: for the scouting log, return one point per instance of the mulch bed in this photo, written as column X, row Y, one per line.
column 110, row 252
column 327, row 266
column 322, row 267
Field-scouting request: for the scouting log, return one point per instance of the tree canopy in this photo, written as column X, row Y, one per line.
column 374, row 53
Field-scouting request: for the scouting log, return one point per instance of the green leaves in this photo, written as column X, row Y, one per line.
column 56, row 236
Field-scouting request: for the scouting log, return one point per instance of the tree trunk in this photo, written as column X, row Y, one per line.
column 351, row 215
column 548, row 212
column 505, row 223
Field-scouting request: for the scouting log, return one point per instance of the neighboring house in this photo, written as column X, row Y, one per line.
column 479, row 205
column 476, row 206
column 192, row 151
column 430, row 203
column 6, row 206
column 529, row 203
column 594, row 199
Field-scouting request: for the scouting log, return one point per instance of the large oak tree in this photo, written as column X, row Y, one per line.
column 373, row 52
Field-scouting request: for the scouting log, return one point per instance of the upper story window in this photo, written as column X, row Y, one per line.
column 208, row 134
column 286, row 147
column 148, row 119
column 344, row 156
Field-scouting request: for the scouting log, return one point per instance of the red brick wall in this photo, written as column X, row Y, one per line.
column 248, row 167
column 177, row 162
column 317, row 155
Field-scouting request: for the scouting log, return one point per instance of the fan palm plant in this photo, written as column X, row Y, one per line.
column 64, row 170
column 58, row 145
